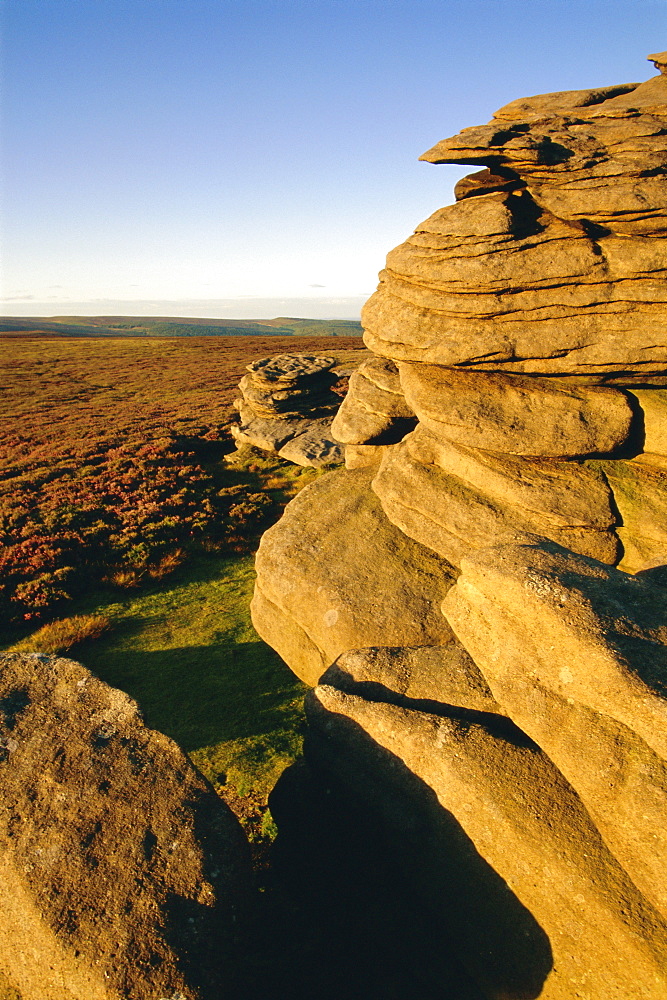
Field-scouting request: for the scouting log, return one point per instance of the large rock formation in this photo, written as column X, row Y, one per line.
column 287, row 406
column 123, row 873
column 514, row 429
column 552, row 260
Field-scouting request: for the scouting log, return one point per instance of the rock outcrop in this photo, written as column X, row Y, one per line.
column 561, row 270
column 335, row 574
column 513, row 429
column 287, row 406
column 123, row 873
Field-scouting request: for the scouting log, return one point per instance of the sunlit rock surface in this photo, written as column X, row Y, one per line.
column 510, row 770
column 123, row 873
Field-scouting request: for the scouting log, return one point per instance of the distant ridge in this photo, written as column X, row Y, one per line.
column 175, row 326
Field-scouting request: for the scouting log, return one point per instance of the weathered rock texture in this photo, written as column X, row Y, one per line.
column 122, row 872
column 514, row 426
column 288, row 407
column 335, row 574
column 564, row 273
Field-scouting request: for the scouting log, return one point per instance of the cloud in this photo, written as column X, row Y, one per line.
column 317, row 286
column 21, row 297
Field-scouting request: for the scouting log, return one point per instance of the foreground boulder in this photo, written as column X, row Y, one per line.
column 123, row 874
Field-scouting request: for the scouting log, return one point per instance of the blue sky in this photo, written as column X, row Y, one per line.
column 255, row 158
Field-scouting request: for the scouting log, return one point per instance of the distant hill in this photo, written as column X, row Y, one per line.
column 174, row 326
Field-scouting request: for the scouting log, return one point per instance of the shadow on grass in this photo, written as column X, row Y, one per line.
column 204, row 695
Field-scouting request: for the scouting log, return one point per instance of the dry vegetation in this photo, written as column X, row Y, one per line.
column 109, row 461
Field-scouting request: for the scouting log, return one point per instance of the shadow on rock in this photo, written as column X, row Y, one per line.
column 405, row 904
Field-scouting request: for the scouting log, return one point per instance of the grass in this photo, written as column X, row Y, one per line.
column 184, row 648
column 108, row 452
column 186, row 651
column 172, row 326
column 68, row 398
column 180, row 640
column 62, row 635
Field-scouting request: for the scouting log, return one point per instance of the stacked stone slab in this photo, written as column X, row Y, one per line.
column 287, row 406
column 513, row 429
column 527, row 325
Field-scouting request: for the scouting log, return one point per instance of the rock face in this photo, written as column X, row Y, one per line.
column 122, row 871
column 288, row 406
column 375, row 410
column 559, row 272
column 332, row 576
column 513, row 428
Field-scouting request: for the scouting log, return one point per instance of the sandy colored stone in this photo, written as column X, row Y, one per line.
column 314, row 448
column 555, row 264
column 348, row 578
column 287, row 407
column 601, row 617
column 568, row 158
column 576, row 653
column 534, row 865
column 122, row 871
column 484, row 182
column 420, row 675
column 289, row 369
column 313, row 401
column 563, row 493
column 640, row 495
column 283, row 633
column 543, row 105
column 383, row 373
column 453, row 518
column 374, row 410
column 517, row 415
column 653, row 405
column 659, row 60
column 364, row 456
column 268, row 434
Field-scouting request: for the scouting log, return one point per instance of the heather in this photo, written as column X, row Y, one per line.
column 127, row 530
column 111, row 463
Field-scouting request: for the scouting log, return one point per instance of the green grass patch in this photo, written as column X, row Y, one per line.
column 186, row 650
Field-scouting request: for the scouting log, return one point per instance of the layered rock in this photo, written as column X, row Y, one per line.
column 598, row 708
column 287, row 406
column 562, row 274
column 335, row 574
column 123, row 873
column 539, row 906
column 515, row 428
column 374, row 412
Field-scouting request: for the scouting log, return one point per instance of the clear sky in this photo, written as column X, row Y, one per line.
column 255, row 158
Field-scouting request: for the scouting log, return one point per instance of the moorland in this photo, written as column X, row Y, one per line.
column 174, row 326
column 127, row 531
